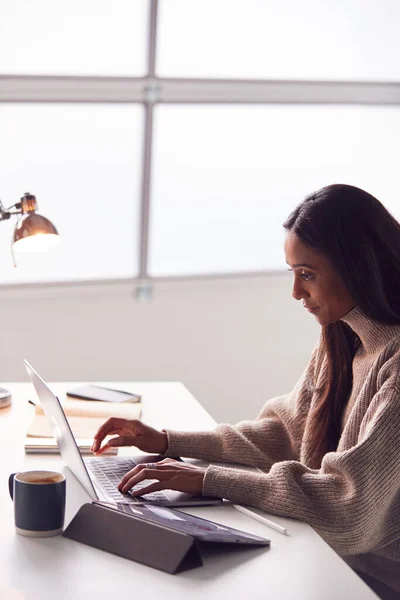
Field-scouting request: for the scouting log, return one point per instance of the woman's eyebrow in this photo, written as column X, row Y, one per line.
column 302, row 265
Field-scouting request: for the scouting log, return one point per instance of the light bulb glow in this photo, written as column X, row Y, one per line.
column 41, row 242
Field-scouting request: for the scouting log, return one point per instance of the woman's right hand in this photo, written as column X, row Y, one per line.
column 130, row 432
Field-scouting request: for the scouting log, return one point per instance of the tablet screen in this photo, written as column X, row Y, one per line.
column 201, row 529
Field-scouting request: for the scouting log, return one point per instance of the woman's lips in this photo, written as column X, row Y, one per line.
column 312, row 309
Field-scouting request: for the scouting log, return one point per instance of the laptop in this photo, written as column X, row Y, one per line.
column 98, row 475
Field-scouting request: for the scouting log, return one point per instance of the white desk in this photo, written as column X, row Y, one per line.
column 298, row 566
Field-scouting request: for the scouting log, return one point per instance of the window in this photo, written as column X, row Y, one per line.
column 225, row 178
column 82, row 163
column 172, row 138
column 73, row 37
column 346, row 40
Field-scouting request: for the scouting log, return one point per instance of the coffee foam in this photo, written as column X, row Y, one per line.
column 40, row 477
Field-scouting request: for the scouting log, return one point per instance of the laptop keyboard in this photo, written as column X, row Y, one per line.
column 109, row 472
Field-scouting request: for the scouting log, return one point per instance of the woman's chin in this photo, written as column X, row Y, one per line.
column 321, row 318
column 324, row 320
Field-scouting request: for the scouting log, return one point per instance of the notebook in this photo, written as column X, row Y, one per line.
column 84, row 417
column 48, row 445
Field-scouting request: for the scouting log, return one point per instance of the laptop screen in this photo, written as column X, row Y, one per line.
column 61, row 431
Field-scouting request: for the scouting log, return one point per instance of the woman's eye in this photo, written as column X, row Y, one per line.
column 306, row 276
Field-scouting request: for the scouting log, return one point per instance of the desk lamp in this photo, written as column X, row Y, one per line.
column 33, row 233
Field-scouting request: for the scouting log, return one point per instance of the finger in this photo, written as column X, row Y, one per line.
column 106, row 446
column 112, row 423
column 162, row 464
column 145, row 474
column 96, row 446
column 111, row 426
column 166, row 463
column 130, row 474
column 153, row 487
column 120, row 440
column 101, row 450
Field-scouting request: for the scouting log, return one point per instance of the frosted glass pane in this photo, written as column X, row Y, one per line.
column 83, row 164
column 280, row 39
column 226, row 177
column 73, row 37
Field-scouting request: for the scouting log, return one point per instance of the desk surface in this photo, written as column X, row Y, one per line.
column 298, row 566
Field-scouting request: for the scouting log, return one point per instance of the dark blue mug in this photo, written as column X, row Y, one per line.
column 39, row 502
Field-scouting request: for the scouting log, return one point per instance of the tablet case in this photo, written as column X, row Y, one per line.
column 129, row 536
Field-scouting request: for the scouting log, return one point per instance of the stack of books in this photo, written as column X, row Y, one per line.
column 84, row 416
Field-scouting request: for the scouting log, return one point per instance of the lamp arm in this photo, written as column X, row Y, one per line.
column 5, row 212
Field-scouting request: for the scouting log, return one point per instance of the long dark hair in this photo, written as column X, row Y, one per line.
column 362, row 241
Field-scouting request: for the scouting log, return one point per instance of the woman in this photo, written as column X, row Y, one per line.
column 329, row 451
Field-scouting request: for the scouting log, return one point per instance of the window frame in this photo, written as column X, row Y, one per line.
column 151, row 90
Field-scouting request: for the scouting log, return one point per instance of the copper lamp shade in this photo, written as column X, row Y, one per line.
column 33, row 233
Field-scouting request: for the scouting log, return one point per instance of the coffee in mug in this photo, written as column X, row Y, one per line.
column 39, row 502
column 46, row 479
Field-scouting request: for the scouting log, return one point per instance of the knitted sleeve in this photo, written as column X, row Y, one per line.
column 275, row 435
column 349, row 501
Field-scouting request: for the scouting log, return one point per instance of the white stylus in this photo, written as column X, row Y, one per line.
column 261, row 519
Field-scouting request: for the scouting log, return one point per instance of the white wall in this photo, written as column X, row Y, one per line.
column 234, row 342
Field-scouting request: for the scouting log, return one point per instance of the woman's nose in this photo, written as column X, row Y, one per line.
column 298, row 292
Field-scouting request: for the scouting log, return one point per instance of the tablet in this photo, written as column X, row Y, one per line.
column 97, row 392
column 202, row 529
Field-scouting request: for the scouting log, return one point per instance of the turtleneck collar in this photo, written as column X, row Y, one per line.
column 373, row 335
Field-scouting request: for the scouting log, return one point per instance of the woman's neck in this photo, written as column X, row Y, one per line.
column 373, row 334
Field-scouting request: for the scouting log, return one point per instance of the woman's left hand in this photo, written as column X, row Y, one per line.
column 171, row 475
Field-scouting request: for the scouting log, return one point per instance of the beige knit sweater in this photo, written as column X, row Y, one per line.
column 353, row 500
